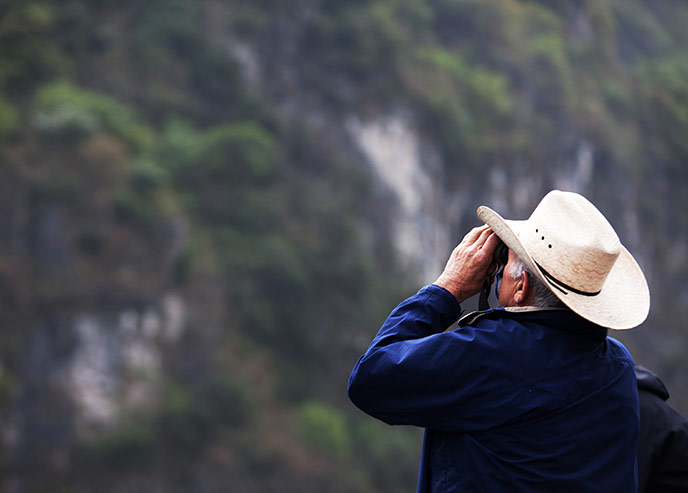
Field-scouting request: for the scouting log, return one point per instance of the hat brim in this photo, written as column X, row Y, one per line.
column 624, row 301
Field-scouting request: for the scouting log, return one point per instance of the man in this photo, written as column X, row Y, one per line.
column 663, row 448
column 522, row 397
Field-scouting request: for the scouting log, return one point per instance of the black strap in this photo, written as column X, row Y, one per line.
column 483, row 304
column 556, row 283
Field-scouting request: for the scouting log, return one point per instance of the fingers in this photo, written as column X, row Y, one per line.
column 488, row 247
column 474, row 235
column 484, row 237
column 480, row 240
column 491, row 242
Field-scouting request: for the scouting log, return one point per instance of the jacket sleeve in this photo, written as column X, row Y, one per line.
column 407, row 375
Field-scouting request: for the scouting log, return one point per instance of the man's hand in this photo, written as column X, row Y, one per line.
column 470, row 264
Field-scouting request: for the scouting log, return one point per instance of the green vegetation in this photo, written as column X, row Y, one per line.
column 128, row 447
column 68, row 113
column 324, row 429
column 162, row 146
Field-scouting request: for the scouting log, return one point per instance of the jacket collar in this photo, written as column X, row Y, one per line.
column 556, row 318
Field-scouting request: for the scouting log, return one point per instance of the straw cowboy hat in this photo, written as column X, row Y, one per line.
column 574, row 250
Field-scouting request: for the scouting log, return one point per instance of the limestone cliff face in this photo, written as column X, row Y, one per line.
column 116, row 366
column 413, row 174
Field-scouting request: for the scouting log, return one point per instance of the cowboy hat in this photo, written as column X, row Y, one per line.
column 572, row 248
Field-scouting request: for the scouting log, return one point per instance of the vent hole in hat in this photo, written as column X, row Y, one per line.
column 549, row 246
column 543, row 237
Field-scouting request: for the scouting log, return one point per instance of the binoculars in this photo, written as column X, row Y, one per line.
column 501, row 254
column 500, row 257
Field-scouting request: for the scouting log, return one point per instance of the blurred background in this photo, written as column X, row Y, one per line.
column 207, row 208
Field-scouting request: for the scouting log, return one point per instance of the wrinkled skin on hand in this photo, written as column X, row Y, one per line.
column 470, row 264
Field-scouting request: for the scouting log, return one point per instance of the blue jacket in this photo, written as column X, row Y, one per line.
column 514, row 401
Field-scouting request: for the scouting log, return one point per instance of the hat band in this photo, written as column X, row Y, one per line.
column 560, row 285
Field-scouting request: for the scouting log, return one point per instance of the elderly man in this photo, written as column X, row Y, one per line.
column 530, row 396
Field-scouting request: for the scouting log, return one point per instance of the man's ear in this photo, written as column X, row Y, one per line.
column 522, row 289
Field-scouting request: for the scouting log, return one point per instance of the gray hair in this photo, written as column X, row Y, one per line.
column 542, row 296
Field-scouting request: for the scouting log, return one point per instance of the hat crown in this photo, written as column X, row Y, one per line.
column 571, row 241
